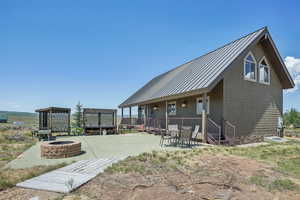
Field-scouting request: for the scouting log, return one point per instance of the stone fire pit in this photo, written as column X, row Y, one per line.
column 60, row 149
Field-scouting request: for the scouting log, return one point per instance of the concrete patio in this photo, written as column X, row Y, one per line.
column 96, row 147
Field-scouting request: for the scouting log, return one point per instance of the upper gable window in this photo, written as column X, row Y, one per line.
column 264, row 71
column 250, row 67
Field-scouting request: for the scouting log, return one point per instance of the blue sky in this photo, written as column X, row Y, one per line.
column 55, row 53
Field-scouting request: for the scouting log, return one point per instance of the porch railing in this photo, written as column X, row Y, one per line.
column 213, row 131
column 229, row 132
column 157, row 125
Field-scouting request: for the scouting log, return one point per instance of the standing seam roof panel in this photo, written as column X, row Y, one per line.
column 196, row 74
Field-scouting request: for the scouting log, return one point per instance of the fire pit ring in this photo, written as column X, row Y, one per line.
column 60, row 149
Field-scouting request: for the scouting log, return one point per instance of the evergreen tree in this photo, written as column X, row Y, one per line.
column 78, row 115
column 292, row 117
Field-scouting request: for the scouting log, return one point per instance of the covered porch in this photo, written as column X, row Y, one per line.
column 158, row 117
column 203, row 109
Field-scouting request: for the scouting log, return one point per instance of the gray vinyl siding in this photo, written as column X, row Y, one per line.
column 253, row 107
column 216, row 107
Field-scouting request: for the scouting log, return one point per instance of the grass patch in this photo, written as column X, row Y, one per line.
column 10, row 177
column 13, row 143
column 283, row 184
column 259, row 180
column 277, row 184
column 290, row 166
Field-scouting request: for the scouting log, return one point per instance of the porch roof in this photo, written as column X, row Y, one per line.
column 201, row 73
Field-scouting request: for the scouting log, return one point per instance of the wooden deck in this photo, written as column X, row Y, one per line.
column 68, row 178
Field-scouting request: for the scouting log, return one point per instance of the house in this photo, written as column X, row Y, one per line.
column 234, row 92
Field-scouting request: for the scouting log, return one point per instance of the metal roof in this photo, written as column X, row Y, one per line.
column 53, row 109
column 193, row 75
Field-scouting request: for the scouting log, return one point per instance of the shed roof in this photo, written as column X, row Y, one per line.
column 57, row 109
column 202, row 72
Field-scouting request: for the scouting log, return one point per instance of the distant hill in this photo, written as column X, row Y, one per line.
column 27, row 117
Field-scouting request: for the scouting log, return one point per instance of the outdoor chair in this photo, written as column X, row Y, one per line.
column 186, row 135
column 165, row 137
column 173, row 132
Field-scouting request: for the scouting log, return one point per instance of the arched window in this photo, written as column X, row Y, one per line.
column 250, row 67
column 264, row 71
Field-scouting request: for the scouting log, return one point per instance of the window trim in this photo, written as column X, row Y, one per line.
column 255, row 70
column 268, row 66
column 208, row 105
column 172, row 113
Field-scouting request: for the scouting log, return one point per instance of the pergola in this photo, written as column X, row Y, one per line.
column 54, row 119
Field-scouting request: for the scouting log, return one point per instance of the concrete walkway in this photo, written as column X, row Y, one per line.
column 69, row 178
column 95, row 147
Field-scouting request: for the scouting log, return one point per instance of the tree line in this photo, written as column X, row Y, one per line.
column 292, row 117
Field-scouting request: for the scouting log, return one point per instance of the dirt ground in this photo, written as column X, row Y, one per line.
column 204, row 177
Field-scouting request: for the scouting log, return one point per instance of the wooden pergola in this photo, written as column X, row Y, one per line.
column 54, row 119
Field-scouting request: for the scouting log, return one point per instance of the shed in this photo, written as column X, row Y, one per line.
column 99, row 120
column 55, row 119
column 3, row 118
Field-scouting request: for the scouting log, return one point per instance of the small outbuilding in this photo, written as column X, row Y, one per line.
column 54, row 119
column 99, row 121
column 3, row 118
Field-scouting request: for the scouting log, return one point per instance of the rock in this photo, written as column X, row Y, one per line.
column 226, row 195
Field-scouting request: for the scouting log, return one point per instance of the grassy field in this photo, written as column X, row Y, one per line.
column 264, row 172
column 269, row 171
column 14, row 141
column 29, row 119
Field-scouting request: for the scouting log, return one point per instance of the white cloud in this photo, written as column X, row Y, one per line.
column 293, row 65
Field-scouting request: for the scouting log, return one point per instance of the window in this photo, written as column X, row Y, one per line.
column 199, row 105
column 250, row 67
column 264, row 71
column 172, row 108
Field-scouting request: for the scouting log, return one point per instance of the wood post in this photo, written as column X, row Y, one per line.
column 144, row 110
column 69, row 120
column 130, row 121
column 204, row 117
column 50, row 113
column 146, row 116
column 166, row 115
column 122, row 113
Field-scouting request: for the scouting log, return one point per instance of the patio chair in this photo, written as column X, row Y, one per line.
column 186, row 135
column 170, row 135
column 165, row 137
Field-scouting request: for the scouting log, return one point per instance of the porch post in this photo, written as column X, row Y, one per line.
column 50, row 113
column 166, row 115
column 69, row 121
column 144, row 110
column 122, row 114
column 130, row 121
column 146, row 117
column 204, row 117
